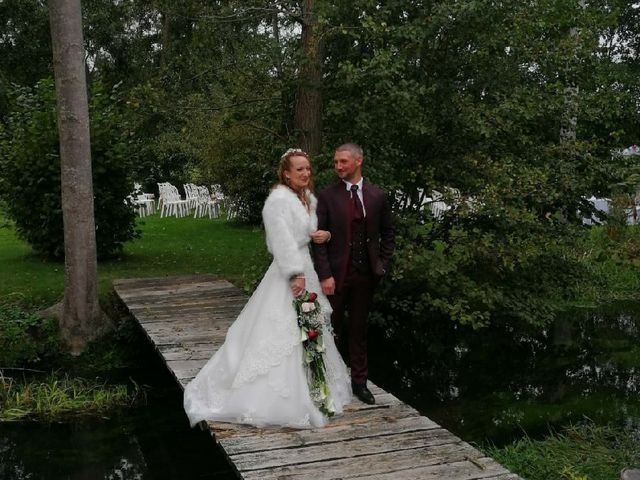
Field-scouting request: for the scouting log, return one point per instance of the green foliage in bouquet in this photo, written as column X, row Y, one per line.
column 311, row 322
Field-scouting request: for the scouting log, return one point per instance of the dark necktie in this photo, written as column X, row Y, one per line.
column 358, row 213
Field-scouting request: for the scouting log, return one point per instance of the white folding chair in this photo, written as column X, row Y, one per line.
column 204, row 203
column 172, row 203
column 191, row 195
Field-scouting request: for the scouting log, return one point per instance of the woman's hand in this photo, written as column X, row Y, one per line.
column 297, row 285
column 321, row 236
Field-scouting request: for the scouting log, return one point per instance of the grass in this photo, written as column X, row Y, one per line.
column 578, row 452
column 58, row 395
column 613, row 262
column 169, row 246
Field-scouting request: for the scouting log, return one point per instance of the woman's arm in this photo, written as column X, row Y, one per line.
column 280, row 240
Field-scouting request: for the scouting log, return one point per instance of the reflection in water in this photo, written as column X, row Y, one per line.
column 150, row 442
column 494, row 384
column 79, row 451
column 134, row 446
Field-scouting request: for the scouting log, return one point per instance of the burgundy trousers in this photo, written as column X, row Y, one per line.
column 355, row 297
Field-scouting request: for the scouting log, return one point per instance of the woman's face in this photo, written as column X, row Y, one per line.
column 299, row 173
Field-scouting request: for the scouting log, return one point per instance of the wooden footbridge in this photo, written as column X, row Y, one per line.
column 187, row 319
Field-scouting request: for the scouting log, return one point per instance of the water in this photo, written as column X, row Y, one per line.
column 151, row 441
column 482, row 385
column 150, row 444
column 494, row 385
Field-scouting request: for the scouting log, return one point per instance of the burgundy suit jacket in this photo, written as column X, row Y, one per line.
column 334, row 212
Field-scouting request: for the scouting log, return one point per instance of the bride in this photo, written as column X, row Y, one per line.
column 258, row 377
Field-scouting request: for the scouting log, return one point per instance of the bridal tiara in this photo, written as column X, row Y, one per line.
column 292, row 151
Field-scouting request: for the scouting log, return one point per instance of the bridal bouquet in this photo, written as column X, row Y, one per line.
column 311, row 323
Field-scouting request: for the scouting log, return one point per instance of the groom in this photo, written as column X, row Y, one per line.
column 352, row 263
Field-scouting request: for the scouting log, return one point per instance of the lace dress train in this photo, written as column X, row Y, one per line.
column 257, row 377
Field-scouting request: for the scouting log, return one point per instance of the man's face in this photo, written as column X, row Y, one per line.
column 347, row 166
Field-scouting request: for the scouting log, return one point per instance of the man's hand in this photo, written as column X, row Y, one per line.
column 328, row 286
column 320, row 236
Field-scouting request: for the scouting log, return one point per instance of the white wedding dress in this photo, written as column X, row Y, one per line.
column 257, row 377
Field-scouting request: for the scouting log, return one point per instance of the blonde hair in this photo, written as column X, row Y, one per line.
column 285, row 165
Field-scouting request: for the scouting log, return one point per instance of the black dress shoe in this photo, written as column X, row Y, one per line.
column 363, row 393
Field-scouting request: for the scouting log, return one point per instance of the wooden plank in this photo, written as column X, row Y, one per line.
column 149, row 318
column 505, row 476
column 179, row 365
column 153, row 296
column 133, row 285
column 344, row 448
column 185, row 337
column 149, row 294
column 222, row 287
column 213, row 326
column 471, row 469
column 159, row 291
column 359, row 419
column 186, row 371
column 162, row 336
column 193, row 351
column 192, row 301
column 159, row 300
column 331, row 433
column 231, row 309
column 183, row 382
column 159, row 282
column 375, row 465
column 175, row 321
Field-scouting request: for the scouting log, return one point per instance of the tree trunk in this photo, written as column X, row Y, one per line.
column 569, row 120
column 276, row 36
column 308, row 111
column 80, row 318
column 166, row 38
column 286, row 112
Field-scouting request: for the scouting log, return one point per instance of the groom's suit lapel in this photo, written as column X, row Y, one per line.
column 366, row 197
column 344, row 199
column 343, row 203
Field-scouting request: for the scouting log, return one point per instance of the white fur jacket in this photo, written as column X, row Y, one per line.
column 288, row 226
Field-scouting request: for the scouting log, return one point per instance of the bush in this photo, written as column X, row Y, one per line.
column 245, row 164
column 477, row 269
column 30, row 170
column 25, row 338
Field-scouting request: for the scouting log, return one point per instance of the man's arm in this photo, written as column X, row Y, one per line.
column 320, row 250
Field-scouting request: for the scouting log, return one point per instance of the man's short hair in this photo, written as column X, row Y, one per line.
column 353, row 148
